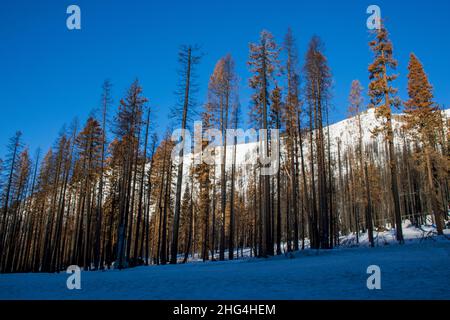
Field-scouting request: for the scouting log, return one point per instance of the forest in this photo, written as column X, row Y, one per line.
column 110, row 194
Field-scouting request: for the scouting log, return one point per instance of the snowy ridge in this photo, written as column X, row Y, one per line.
column 344, row 132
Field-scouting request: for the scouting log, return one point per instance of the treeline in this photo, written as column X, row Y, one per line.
column 109, row 193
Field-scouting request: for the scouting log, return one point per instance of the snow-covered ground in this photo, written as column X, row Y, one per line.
column 417, row 270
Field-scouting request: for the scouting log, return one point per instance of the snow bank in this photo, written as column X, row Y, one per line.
column 416, row 270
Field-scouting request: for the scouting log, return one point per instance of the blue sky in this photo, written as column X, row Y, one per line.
column 50, row 75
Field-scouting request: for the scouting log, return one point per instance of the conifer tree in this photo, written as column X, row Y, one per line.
column 221, row 96
column 264, row 65
column 291, row 119
column 355, row 110
column 106, row 101
column 276, row 109
column 318, row 82
column 188, row 59
column 127, row 128
column 13, row 231
column 383, row 98
column 235, row 119
column 422, row 119
column 202, row 175
column 89, row 143
column 11, row 163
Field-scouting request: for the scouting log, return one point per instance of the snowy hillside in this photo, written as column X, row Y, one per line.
column 344, row 132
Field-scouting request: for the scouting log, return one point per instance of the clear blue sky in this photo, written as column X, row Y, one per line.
column 49, row 75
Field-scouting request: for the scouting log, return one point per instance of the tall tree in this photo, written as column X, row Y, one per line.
column 89, row 142
column 383, row 98
column 188, row 59
column 276, row 109
column 235, row 120
column 127, row 128
column 221, row 97
column 318, row 83
column 106, row 101
column 291, row 117
column 137, row 251
column 355, row 110
column 146, row 242
column 263, row 65
column 18, row 195
column 422, row 119
column 202, row 174
column 11, row 162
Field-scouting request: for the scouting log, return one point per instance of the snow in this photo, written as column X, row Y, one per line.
column 386, row 237
column 344, row 132
column 417, row 270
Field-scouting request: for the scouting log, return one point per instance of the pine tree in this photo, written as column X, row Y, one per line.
column 18, row 195
column 202, row 174
column 106, row 101
column 66, row 150
column 150, row 188
column 29, row 223
column 291, row 117
column 276, row 109
column 355, row 110
column 89, row 143
column 137, row 246
column 235, row 121
column 318, row 82
column 162, row 174
column 54, row 214
column 14, row 149
column 188, row 59
column 383, row 99
column 221, row 96
column 264, row 64
column 422, row 119
column 127, row 129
